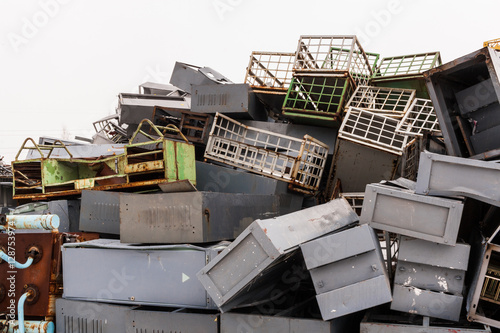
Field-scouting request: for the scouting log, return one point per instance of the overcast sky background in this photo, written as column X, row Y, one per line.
column 63, row 62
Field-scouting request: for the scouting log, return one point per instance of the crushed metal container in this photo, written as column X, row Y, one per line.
column 403, row 212
column 348, row 271
column 185, row 76
column 235, row 100
column 406, row 72
column 466, row 94
column 454, row 176
column 112, row 272
column 192, row 217
column 430, row 278
column 240, row 271
column 193, row 126
column 298, row 162
column 385, row 321
column 43, row 278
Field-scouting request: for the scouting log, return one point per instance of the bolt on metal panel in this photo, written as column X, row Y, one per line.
column 404, row 212
column 389, row 102
column 421, row 117
column 466, row 95
column 235, row 100
column 264, row 245
column 298, row 162
column 191, row 217
column 343, row 266
column 426, row 302
column 112, row 272
column 455, row 176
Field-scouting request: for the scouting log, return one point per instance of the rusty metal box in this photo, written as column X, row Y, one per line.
column 348, row 271
column 404, row 212
column 191, row 217
column 259, row 251
column 112, row 272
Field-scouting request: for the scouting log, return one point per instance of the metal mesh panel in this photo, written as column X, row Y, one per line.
column 421, row 117
column 270, row 70
column 390, row 102
column 336, row 53
column 355, row 199
column 491, row 287
column 408, row 64
column 318, row 94
column 373, row 130
column 411, row 157
column 300, row 162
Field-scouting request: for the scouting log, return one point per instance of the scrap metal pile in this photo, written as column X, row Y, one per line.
column 333, row 191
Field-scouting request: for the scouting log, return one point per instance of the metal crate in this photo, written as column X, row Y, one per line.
column 235, row 100
column 404, row 212
column 345, row 265
column 191, row 217
column 270, row 71
column 372, row 130
column 298, row 162
column 192, row 126
column 429, row 278
column 419, row 119
column 465, row 93
column 406, row 72
column 318, row 98
column 451, row 176
column 264, row 247
column 390, row 102
column 334, row 53
column 112, row 272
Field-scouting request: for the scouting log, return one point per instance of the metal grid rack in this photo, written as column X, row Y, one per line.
column 410, row 159
column 407, row 64
column 270, row 70
column 373, row 130
column 491, row 286
column 319, row 95
column 421, row 117
column 391, row 102
column 299, row 162
column 336, row 53
column 110, row 128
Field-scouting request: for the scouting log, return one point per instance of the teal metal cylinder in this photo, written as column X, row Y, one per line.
column 46, row 222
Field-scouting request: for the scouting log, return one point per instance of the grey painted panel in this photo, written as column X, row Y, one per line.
column 339, row 246
column 420, row 251
column 185, row 76
column 426, row 303
column 108, row 271
column 140, row 321
column 449, row 176
column 244, row 323
column 191, row 217
column 265, row 243
column 353, row 298
column 90, row 317
column 100, row 212
column 403, row 212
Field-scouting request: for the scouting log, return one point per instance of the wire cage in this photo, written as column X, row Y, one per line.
column 270, row 70
column 391, row 102
column 420, row 118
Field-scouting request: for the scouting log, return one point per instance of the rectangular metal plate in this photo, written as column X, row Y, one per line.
column 107, row 271
column 426, row 302
column 175, row 321
column 191, row 217
column 355, row 297
column 449, row 176
column 403, row 212
column 100, row 212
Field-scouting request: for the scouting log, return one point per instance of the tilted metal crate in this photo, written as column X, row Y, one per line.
column 270, row 71
column 452, row 176
column 298, row 162
column 406, row 72
column 390, row 102
column 420, row 118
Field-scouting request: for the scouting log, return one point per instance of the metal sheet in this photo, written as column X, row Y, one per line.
column 185, row 76
column 426, row 302
column 355, row 297
column 191, row 217
column 100, row 212
column 403, row 212
column 171, row 321
column 235, row 100
column 90, row 317
column 264, row 245
column 239, row 323
column 450, row 176
column 108, row 271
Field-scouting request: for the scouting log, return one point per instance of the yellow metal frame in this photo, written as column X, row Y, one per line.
column 494, row 44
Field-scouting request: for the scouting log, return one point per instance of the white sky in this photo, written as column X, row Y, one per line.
column 63, row 62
